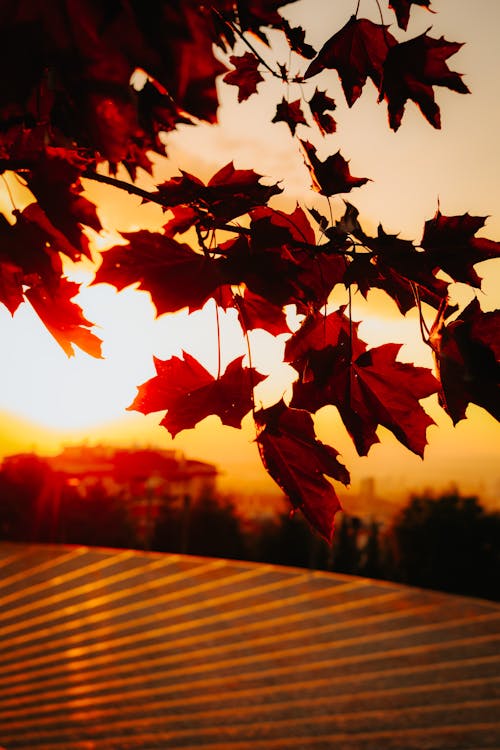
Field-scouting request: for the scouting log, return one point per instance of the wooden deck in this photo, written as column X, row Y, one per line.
column 122, row 650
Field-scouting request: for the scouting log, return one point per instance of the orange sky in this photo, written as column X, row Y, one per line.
column 46, row 400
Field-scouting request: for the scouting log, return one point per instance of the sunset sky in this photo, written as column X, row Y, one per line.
column 47, row 400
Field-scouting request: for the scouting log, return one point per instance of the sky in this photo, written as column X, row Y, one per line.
column 47, row 400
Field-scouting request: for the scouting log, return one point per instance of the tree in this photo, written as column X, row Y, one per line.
column 100, row 84
column 448, row 543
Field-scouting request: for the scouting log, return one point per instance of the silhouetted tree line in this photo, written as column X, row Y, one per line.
column 450, row 543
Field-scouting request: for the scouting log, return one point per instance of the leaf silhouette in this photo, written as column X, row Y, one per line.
column 245, row 76
column 291, row 113
column 296, row 39
column 256, row 312
column 319, row 103
column 467, row 356
column 64, row 318
column 190, row 393
column 170, row 271
column 229, row 193
column 450, row 245
column 411, row 70
column 298, row 463
column 374, row 389
column 357, row 52
column 331, row 176
column 402, row 9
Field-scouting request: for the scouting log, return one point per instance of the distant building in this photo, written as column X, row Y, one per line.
column 144, row 478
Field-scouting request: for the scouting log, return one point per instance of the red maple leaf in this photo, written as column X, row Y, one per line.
column 229, row 193
column 331, row 176
column 256, row 312
column 298, row 463
column 402, row 9
column 245, row 75
column 319, row 331
column 11, row 288
column 450, row 244
column 170, row 271
column 291, row 113
column 369, row 390
column 358, row 51
column 190, row 393
column 467, row 356
column 396, row 266
column 411, row 70
column 62, row 317
column 319, row 103
column 55, row 182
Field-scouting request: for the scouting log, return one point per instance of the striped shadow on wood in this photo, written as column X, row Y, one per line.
column 123, row 650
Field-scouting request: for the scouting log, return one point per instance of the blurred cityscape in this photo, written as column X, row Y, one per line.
column 162, row 500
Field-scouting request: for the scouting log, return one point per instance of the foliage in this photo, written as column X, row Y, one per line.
column 69, row 112
column 450, row 543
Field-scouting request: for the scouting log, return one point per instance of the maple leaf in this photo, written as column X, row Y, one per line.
column 245, row 76
column 318, row 331
column 396, row 266
column 259, row 13
column 267, row 270
column 55, row 182
column 318, row 104
column 368, row 390
column 256, row 312
column 402, row 9
column 184, row 217
column 229, row 193
column 296, row 39
column 11, row 289
column 370, row 273
column 170, row 271
column 411, row 69
column 467, row 356
column 331, row 176
column 317, row 275
column 190, row 393
column 358, row 51
column 450, row 245
column 291, row 113
column 298, row 463
column 62, row 317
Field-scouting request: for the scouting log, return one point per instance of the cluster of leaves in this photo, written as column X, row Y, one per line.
column 70, row 109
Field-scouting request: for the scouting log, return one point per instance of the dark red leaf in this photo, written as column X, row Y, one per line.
column 245, row 75
column 369, row 390
column 190, row 393
column 184, row 217
column 63, row 318
column 291, row 113
column 402, row 9
column 319, row 103
column 319, row 331
column 170, row 271
column 373, row 273
column 256, row 312
column 467, row 354
column 259, row 13
column 229, row 193
column 296, row 39
column 11, row 288
column 298, row 463
column 331, row 176
column 55, row 182
column 358, row 51
column 450, row 244
column 411, row 70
